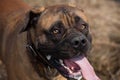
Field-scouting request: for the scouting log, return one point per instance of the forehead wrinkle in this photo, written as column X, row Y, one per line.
column 67, row 19
column 50, row 17
column 64, row 20
column 47, row 20
column 70, row 18
column 73, row 20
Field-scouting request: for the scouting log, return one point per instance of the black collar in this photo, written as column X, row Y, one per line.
column 34, row 53
column 37, row 58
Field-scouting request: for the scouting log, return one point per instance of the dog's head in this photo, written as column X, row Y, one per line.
column 61, row 35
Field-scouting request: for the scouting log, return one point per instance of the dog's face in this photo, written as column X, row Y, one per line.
column 63, row 32
column 62, row 36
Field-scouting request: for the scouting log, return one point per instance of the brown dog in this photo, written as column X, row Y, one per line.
column 42, row 43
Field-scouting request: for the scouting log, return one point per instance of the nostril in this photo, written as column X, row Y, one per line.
column 76, row 43
column 83, row 42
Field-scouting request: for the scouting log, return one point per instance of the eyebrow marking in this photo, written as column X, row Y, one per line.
column 67, row 19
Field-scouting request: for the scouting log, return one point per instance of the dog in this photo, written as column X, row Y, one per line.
column 48, row 43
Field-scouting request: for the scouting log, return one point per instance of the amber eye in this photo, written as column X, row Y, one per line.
column 56, row 31
column 82, row 27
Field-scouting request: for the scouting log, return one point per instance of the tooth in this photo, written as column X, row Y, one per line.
column 48, row 57
column 61, row 61
column 68, row 69
column 78, row 77
column 72, row 68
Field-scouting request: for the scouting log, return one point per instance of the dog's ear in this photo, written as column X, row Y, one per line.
column 73, row 5
column 33, row 17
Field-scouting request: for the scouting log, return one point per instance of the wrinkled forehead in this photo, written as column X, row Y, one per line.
column 64, row 14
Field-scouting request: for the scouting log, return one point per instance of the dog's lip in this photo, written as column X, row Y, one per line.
column 72, row 70
column 66, row 67
column 75, row 68
column 84, row 68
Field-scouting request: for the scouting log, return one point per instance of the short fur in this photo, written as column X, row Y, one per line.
column 17, row 20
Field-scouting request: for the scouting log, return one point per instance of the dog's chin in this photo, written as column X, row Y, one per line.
column 68, row 67
column 75, row 68
column 71, row 66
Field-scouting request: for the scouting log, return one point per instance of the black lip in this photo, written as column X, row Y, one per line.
column 61, row 69
column 56, row 64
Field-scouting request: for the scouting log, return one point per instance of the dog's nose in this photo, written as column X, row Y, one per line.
column 78, row 41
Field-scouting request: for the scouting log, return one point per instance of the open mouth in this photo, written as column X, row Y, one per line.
column 74, row 68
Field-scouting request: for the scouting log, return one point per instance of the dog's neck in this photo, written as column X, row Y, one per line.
column 9, row 6
column 41, row 65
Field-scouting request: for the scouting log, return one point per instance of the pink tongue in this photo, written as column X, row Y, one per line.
column 87, row 70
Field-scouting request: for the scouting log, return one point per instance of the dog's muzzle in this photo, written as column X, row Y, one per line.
column 71, row 64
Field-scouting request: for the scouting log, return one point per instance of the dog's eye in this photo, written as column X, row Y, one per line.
column 55, row 31
column 82, row 27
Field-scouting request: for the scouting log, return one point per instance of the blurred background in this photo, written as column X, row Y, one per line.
column 104, row 20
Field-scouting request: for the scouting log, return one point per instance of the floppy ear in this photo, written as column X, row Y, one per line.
column 34, row 15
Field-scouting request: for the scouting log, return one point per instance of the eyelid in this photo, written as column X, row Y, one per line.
column 58, row 25
column 81, row 26
column 77, row 19
column 85, row 24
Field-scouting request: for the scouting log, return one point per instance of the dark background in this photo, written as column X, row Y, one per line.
column 104, row 20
